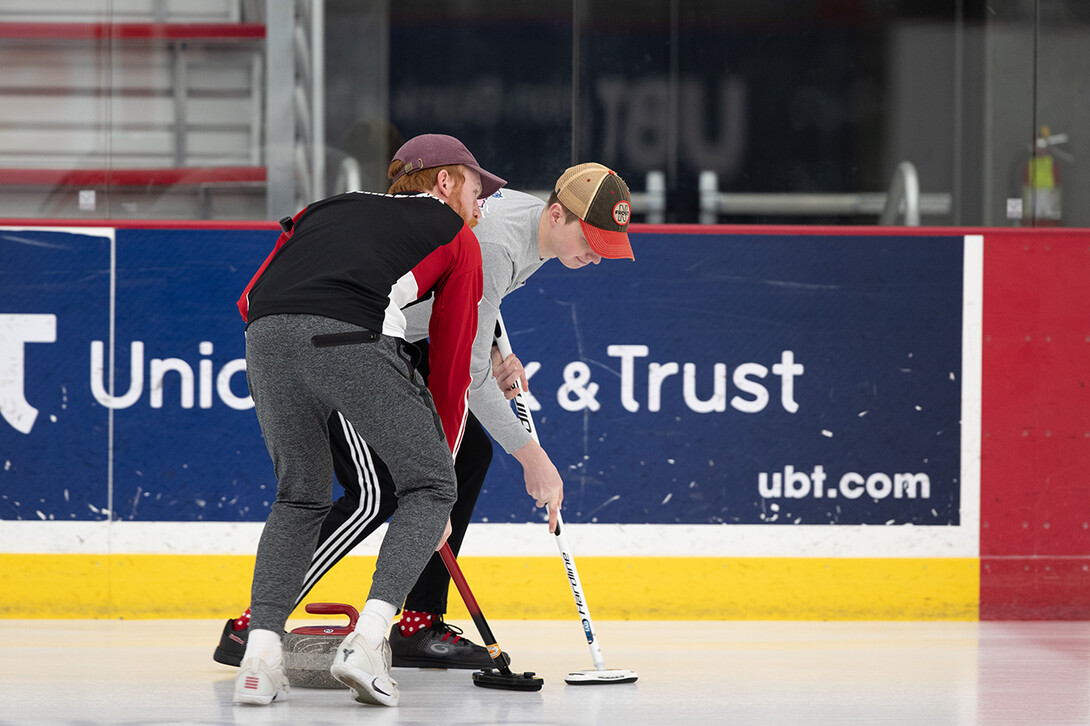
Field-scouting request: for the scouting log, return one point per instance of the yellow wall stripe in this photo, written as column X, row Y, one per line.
column 617, row 588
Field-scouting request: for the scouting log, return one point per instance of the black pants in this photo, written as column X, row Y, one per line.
column 369, row 500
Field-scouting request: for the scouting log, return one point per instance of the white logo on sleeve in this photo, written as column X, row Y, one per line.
column 15, row 332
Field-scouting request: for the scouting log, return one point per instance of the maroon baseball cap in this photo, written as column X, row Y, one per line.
column 430, row 150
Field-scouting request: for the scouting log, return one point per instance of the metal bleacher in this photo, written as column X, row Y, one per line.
column 132, row 109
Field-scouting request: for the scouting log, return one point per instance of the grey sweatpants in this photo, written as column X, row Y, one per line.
column 295, row 386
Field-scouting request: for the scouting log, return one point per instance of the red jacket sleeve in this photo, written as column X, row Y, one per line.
column 452, row 328
column 244, row 300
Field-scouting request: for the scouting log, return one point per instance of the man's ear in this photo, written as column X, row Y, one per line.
column 556, row 215
column 444, row 183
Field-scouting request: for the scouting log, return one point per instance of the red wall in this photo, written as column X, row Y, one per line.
column 1035, row 446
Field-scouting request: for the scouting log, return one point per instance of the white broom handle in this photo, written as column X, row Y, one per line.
column 577, row 593
column 522, row 409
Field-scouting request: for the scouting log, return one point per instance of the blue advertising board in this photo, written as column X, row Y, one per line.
column 54, row 300
column 736, row 379
column 751, row 380
column 166, row 433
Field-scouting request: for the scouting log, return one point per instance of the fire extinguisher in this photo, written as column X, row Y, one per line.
column 1042, row 194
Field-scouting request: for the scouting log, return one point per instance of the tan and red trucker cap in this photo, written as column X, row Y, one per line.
column 601, row 200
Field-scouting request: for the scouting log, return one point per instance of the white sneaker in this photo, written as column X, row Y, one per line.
column 259, row 683
column 365, row 670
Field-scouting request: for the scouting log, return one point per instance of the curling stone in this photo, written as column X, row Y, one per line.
column 309, row 650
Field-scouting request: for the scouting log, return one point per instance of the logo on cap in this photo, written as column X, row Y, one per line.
column 621, row 212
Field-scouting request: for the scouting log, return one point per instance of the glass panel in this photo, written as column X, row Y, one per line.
column 1005, row 95
column 155, row 112
column 1059, row 191
column 784, row 100
column 783, row 111
column 628, row 111
column 494, row 73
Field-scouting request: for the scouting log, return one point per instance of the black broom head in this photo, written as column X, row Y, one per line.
column 493, row 678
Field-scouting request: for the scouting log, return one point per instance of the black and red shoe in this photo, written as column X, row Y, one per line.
column 232, row 644
column 439, row 646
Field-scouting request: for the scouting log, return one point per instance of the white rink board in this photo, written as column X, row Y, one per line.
column 517, row 540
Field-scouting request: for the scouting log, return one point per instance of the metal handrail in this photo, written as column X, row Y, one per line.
column 653, row 200
column 904, row 194
column 309, row 96
column 349, row 177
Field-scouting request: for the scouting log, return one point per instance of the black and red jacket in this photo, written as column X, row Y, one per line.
column 362, row 258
